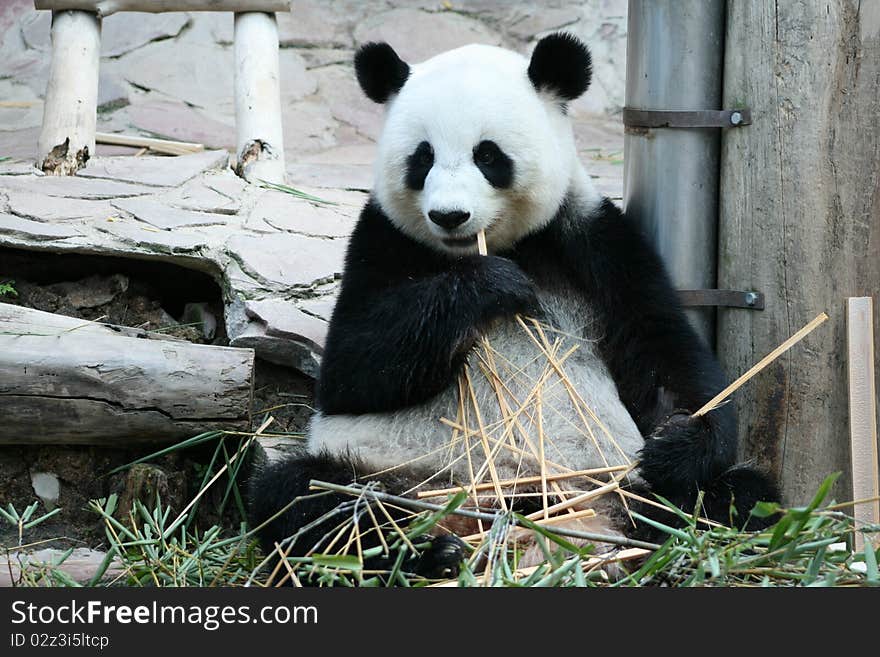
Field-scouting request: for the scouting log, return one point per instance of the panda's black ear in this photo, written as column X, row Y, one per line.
column 561, row 65
column 380, row 72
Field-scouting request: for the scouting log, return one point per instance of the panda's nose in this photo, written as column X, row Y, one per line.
column 449, row 220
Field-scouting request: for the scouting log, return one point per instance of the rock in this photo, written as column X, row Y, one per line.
column 317, row 57
column 321, row 307
column 20, row 144
column 81, row 565
column 47, row 487
column 543, row 20
column 120, row 33
column 286, row 212
column 92, row 291
column 52, row 208
column 34, row 230
column 219, row 192
column 339, row 89
column 179, row 121
column 201, row 74
column 145, row 239
column 73, row 187
column 158, row 214
column 284, row 320
column 312, row 24
column 344, row 176
column 418, row 35
column 154, row 170
column 308, row 127
column 27, row 112
column 112, row 92
column 247, row 332
column 290, row 260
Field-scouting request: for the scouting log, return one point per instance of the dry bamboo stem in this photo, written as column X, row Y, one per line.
column 525, row 480
column 549, row 522
column 574, row 501
column 477, row 515
column 512, row 420
column 481, row 243
column 716, row 401
column 167, row 146
column 591, row 564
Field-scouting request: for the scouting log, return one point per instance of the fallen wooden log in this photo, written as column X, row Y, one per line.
column 87, row 384
column 17, row 320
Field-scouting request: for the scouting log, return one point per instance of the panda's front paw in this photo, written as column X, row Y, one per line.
column 677, row 453
column 442, row 558
column 507, row 289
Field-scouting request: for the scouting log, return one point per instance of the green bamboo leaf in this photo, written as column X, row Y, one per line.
column 34, row 523
column 342, row 561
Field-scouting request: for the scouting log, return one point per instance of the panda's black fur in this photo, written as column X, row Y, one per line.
column 408, row 316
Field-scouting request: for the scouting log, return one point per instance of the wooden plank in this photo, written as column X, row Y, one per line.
column 799, row 221
column 862, row 412
column 107, row 7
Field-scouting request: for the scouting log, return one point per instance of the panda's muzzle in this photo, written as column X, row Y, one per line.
column 449, row 220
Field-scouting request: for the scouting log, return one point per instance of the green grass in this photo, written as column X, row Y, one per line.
column 807, row 546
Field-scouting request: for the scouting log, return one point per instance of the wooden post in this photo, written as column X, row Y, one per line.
column 862, row 412
column 107, row 7
column 259, row 140
column 70, row 113
column 799, row 221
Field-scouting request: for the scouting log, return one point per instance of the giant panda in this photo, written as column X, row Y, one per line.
column 479, row 139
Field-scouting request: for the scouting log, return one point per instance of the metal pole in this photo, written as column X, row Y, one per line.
column 674, row 60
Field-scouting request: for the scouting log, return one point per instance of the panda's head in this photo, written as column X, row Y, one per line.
column 474, row 139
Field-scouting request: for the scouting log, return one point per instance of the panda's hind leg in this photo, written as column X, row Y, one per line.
column 284, row 506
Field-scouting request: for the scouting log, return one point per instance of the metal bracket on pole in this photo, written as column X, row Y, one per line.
column 636, row 118
column 727, row 298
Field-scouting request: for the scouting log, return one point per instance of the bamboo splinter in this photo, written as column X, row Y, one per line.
column 715, row 402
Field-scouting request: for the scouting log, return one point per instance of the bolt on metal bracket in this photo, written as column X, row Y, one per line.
column 726, row 298
column 735, row 118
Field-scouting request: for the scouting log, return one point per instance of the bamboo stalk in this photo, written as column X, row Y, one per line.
column 524, row 480
column 167, row 146
column 715, row 402
column 481, row 243
column 427, row 506
column 574, row 501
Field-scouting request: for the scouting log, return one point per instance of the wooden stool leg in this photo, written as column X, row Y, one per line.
column 70, row 114
column 259, row 139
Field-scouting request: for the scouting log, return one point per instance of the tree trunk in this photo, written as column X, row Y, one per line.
column 799, row 221
column 86, row 384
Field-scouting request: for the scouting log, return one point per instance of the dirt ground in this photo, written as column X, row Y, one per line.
column 184, row 304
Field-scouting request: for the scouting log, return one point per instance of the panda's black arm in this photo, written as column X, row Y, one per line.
column 657, row 360
column 407, row 317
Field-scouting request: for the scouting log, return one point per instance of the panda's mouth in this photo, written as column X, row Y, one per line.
column 460, row 242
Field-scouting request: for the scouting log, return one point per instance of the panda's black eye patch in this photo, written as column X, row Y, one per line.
column 494, row 164
column 418, row 165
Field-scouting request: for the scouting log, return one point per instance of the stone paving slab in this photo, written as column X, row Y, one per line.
column 202, row 223
column 277, row 257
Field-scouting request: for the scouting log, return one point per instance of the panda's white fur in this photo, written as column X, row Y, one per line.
column 478, row 138
column 452, row 102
